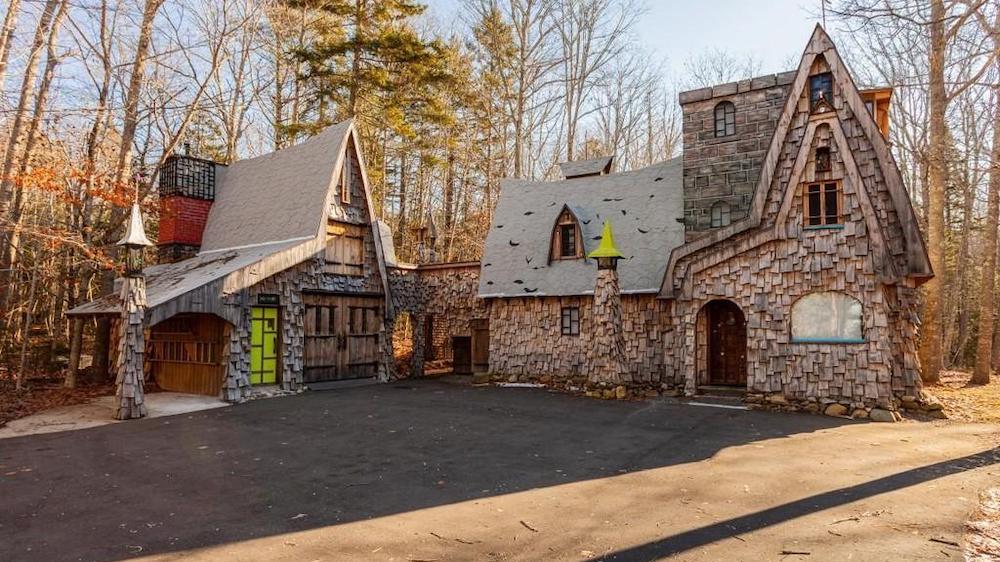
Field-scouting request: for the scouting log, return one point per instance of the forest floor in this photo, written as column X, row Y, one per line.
column 44, row 393
column 968, row 403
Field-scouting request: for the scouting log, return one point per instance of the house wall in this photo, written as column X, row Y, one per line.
column 766, row 269
column 727, row 168
column 526, row 341
column 289, row 285
column 448, row 293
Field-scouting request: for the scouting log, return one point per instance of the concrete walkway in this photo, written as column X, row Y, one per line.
column 99, row 411
column 424, row 470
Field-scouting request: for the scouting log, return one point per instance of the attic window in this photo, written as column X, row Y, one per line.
column 821, row 91
column 725, row 119
column 567, row 241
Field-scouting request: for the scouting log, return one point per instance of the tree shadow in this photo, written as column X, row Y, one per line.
column 290, row 464
column 688, row 540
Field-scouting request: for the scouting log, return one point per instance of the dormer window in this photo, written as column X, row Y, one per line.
column 821, row 91
column 725, row 119
column 567, row 241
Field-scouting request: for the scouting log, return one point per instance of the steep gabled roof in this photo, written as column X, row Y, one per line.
column 644, row 207
column 269, row 214
column 820, row 44
column 278, row 196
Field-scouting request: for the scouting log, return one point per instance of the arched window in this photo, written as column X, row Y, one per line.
column 721, row 214
column 827, row 317
column 725, row 119
column 567, row 240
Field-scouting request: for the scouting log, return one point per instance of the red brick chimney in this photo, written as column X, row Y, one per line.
column 187, row 190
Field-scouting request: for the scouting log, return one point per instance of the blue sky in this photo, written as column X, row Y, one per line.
column 774, row 31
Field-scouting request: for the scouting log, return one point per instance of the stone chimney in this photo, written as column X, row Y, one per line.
column 606, row 355
column 187, row 190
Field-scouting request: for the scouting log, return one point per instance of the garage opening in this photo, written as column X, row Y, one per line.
column 185, row 353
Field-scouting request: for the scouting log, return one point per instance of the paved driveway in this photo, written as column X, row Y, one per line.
column 435, row 471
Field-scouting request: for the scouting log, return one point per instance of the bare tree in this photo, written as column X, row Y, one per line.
column 592, row 34
column 716, row 66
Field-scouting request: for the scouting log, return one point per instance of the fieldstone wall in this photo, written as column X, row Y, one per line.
column 727, row 169
column 526, row 340
column 447, row 293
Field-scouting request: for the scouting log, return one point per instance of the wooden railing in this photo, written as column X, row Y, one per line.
column 185, row 351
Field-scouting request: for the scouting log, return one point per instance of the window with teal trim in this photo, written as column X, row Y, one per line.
column 827, row 317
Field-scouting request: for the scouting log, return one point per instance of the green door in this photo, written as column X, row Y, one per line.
column 263, row 345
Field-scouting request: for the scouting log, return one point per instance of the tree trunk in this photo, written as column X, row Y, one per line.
column 130, row 120
column 75, row 344
column 41, row 99
column 7, row 35
column 27, row 82
column 987, row 306
column 930, row 342
column 22, row 364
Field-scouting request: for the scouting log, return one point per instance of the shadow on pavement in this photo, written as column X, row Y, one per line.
column 318, row 459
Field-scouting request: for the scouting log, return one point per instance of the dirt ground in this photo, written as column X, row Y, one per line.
column 968, row 403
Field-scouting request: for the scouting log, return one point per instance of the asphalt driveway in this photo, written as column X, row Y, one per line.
column 436, row 471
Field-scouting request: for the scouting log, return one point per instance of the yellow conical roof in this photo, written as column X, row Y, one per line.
column 607, row 248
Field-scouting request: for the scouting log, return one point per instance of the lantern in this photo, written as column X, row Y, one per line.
column 607, row 253
column 134, row 243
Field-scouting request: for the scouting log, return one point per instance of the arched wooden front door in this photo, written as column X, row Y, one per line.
column 727, row 343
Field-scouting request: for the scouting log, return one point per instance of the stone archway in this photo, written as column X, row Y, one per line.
column 722, row 345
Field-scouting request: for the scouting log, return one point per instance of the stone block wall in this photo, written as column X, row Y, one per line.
column 526, row 338
column 448, row 293
column 726, row 169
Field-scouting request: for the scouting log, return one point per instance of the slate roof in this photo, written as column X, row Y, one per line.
column 590, row 167
column 263, row 207
column 275, row 197
column 643, row 206
column 168, row 281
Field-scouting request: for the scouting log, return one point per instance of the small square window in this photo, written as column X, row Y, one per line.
column 570, row 321
column 822, row 204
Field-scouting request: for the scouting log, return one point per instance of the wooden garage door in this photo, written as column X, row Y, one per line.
column 341, row 337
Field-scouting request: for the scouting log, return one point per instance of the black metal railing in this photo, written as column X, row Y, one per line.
column 187, row 176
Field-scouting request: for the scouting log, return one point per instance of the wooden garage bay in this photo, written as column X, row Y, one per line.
column 186, row 354
column 341, row 336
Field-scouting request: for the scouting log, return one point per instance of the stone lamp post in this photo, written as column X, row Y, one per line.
column 606, row 355
column 129, row 396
